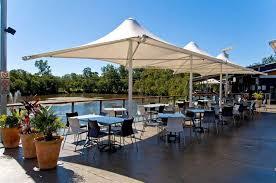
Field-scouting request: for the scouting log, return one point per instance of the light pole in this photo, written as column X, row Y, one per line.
column 273, row 45
column 3, row 51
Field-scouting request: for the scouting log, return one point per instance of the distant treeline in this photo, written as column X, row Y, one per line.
column 113, row 80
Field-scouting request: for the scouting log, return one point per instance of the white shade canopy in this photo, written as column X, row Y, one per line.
column 148, row 49
column 211, row 66
column 210, row 81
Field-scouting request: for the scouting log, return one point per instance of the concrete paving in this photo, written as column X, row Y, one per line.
column 243, row 154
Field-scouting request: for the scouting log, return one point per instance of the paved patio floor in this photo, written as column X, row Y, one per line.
column 244, row 154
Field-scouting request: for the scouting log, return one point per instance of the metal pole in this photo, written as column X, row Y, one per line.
column 220, row 88
column 3, row 50
column 191, row 83
column 130, row 79
column 226, row 85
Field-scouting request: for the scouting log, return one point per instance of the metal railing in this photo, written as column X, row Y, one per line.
column 142, row 100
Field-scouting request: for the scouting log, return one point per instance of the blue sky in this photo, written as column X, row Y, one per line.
column 44, row 25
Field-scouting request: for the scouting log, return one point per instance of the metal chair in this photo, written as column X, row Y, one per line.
column 141, row 113
column 209, row 117
column 174, row 127
column 227, row 115
column 263, row 105
column 73, row 114
column 127, row 131
column 74, row 129
column 94, row 133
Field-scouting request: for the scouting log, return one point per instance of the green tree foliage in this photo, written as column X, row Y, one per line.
column 112, row 80
column 161, row 82
column 269, row 60
column 43, row 67
column 266, row 60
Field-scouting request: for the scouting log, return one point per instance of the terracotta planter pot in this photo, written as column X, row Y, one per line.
column 10, row 137
column 47, row 152
column 29, row 145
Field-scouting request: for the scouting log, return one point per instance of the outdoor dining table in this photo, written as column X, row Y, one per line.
column 150, row 106
column 171, row 115
column 115, row 109
column 105, row 121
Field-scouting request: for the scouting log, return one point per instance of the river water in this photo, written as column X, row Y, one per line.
column 93, row 107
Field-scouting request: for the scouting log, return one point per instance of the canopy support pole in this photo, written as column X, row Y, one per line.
column 191, row 83
column 3, row 50
column 220, row 88
column 226, row 85
column 130, row 70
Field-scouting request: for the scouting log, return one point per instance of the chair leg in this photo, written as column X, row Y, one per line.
column 77, row 142
column 143, row 130
column 135, row 142
column 64, row 140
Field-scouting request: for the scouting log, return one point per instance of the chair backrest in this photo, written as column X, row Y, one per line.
column 93, row 129
column 253, row 105
column 181, row 105
column 236, row 109
column 190, row 114
column 175, row 125
column 74, row 125
column 127, row 129
column 103, row 114
column 141, row 110
column 241, row 108
column 227, row 111
column 161, row 109
column 170, row 109
column 164, row 121
column 68, row 115
column 209, row 117
column 201, row 103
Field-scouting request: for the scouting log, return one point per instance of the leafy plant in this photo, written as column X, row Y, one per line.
column 31, row 107
column 3, row 119
column 46, row 122
column 258, row 96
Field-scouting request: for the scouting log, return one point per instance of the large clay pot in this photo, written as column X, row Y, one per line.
column 47, row 152
column 10, row 137
column 28, row 144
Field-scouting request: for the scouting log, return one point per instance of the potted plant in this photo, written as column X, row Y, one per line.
column 47, row 146
column 258, row 97
column 10, row 127
column 28, row 133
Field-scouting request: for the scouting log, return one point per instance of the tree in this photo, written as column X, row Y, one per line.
column 43, row 67
column 90, row 80
column 269, row 60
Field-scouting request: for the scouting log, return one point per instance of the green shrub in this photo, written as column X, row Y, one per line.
column 258, row 96
column 46, row 122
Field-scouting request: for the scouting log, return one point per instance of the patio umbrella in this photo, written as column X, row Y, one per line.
column 133, row 46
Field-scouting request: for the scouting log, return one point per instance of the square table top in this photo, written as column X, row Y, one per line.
column 171, row 115
column 103, row 120
column 115, row 109
column 196, row 110
column 154, row 105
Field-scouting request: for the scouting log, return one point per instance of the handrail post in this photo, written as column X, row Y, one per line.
column 142, row 100
column 159, row 99
column 72, row 107
column 101, row 106
column 124, row 103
